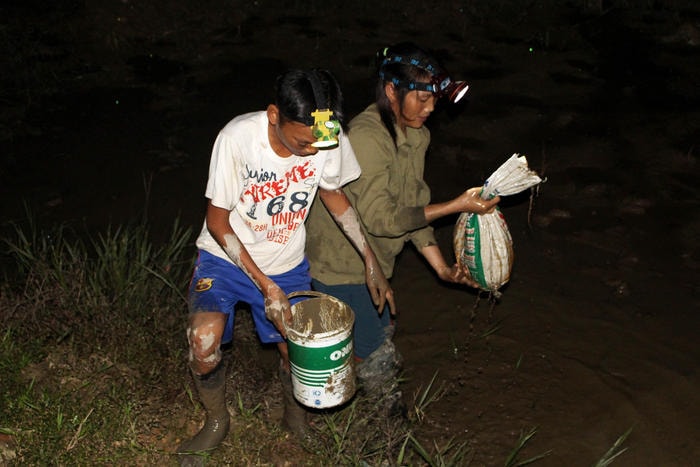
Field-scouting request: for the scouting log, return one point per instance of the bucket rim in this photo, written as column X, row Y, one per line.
column 315, row 295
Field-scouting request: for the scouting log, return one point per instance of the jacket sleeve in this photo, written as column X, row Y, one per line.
column 423, row 237
column 381, row 213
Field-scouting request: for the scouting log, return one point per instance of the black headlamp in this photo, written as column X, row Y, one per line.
column 454, row 91
column 440, row 83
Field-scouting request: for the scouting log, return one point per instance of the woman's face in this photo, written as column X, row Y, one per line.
column 415, row 109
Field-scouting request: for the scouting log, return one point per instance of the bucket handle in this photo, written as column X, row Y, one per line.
column 307, row 293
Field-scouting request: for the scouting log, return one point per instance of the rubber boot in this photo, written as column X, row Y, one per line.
column 294, row 418
column 212, row 393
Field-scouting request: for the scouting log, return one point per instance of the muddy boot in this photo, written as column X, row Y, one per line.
column 294, row 418
column 378, row 376
column 212, row 393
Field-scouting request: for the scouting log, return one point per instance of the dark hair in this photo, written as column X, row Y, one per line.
column 388, row 70
column 300, row 92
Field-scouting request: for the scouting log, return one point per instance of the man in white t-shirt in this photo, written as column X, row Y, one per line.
column 265, row 171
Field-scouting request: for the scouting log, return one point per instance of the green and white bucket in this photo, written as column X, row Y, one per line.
column 321, row 350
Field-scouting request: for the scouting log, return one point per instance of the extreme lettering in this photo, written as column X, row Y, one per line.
column 271, row 187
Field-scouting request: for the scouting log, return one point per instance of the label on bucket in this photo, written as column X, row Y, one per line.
column 322, row 376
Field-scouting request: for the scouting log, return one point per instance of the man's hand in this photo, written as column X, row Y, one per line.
column 277, row 307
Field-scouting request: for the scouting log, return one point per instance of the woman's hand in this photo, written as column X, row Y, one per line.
column 378, row 285
column 470, row 201
column 456, row 275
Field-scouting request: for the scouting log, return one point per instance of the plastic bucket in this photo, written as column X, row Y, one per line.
column 321, row 350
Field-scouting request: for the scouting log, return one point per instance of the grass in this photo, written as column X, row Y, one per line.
column 92, row 329
column 615, row 450
column 92, row 355
column 513, row 460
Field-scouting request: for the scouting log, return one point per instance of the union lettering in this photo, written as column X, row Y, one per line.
column 288, row 217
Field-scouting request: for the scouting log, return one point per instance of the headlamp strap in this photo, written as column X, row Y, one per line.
column 424, row 64
column 407, row 60
column 410, row 85
column 323, row 112
column 319, row 96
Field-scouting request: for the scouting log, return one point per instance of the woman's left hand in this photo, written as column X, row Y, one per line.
column 378, row 285
column 457, row 275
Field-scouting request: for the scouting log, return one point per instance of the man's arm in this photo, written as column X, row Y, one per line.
column 277, row 306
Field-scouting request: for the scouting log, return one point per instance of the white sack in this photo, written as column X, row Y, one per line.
column 482, row 242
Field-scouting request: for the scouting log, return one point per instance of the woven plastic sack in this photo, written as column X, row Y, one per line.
column 482, row 242
column 484, row 246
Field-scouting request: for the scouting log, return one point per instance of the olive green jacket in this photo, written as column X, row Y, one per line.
column 389, row 197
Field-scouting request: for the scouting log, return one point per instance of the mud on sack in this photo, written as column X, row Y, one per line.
column 482, row 242
column 321, row 350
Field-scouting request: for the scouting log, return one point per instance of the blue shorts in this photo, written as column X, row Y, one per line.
column 218, row 285
column 369, row 329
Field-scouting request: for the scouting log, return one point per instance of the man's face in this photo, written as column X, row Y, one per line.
column 288, row 137
column 296, row 137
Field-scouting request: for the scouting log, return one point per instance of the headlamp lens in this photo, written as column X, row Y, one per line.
column 454, row 91
column 457, row 92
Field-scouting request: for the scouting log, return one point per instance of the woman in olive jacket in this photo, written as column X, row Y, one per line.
column 393, row 202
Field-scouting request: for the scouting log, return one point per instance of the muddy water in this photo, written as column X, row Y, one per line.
column 596, row 333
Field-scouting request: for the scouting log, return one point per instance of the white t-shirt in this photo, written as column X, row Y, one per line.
column 269, row 196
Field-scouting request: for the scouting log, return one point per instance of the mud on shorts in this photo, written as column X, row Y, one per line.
column 218, row 285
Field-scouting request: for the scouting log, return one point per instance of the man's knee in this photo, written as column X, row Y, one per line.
column 204, row 336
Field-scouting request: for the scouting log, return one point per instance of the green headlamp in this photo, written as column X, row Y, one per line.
column 324, row 129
